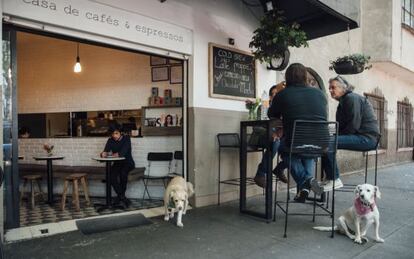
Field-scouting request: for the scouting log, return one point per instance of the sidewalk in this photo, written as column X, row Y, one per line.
column 221, row 232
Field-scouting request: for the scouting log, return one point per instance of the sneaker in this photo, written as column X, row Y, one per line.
column 301, row 196
column 260, row 180
column 328, row 185
column 280, row 174
column 316, row 187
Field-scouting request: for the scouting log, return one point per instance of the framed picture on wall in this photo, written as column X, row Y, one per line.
column 157, row 61
column 176, row 74
column 159, row 74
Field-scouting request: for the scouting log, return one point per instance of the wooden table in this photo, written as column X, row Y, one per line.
column 108, row 161
column 49, row 170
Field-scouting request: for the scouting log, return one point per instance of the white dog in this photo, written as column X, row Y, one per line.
column 176, row 198
column 361, row 215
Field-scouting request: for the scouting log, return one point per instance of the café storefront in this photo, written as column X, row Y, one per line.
column 133, row 72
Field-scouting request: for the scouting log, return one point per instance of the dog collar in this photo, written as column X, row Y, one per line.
column 363, row 208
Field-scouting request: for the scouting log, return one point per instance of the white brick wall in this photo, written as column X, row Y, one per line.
column 79, row 152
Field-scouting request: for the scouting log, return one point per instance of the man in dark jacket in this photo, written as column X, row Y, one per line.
column 358, row 126
column 119, row 145
column 298, row 102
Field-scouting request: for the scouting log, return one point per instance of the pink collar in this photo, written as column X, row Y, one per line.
column 363, row 209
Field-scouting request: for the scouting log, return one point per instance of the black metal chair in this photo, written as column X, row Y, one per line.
column 178, row 156
column 232, row 141
column 350, row 187
column 310, row 139
column 150, row 175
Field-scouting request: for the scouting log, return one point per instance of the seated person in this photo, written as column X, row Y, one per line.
column 298, row 101
column 119, row 145
column 358, row 126
column 260, row 177
column 24, row 132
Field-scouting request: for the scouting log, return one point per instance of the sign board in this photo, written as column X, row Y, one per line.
column 103, row 19
column 232, row 73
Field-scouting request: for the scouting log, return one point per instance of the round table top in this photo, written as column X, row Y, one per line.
column 46, row 157
column 102, row 159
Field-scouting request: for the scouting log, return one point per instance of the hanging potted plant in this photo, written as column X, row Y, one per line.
column 350, row 64
column 272, row 39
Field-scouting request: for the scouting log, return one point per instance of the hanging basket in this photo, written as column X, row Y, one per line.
column 347, row 67
column 281, row 63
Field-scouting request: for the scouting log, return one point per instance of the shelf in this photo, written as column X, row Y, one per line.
column 161, row 106
column 162, row 131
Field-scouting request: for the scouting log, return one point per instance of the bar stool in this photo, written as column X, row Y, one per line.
column 34, row 179
column 74, row 178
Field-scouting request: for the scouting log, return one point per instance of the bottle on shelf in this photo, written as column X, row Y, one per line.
column 264, row 106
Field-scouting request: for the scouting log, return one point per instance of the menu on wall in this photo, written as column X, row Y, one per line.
column 232, row 73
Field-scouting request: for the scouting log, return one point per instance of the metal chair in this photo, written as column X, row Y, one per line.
column 178, row 156
column 350, row 187
column 311, row 140
column 149, row 175
column 226, row 141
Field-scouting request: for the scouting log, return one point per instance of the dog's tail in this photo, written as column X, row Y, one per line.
column 190, row 189
column 320, row 228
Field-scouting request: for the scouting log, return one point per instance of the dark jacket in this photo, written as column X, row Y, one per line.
column 298, row 102
column 355, row 115
column 123, row 147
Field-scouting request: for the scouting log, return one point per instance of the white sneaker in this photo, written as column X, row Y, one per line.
column 328, row 185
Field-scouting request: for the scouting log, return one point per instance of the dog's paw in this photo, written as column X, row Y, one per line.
column 379, row 240
column 358, row 240
column 171, row 215
column 166, row 218
column 184, row 212
column 179, row 224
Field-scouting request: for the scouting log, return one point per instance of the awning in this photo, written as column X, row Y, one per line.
column 316, row 18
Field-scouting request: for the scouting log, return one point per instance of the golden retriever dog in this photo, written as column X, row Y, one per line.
column 176, row 198
column 360, row 216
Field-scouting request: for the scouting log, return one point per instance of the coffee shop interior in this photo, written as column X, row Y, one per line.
column 69, row 91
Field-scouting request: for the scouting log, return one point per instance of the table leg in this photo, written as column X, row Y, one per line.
column 49, row 181
column 108, row 184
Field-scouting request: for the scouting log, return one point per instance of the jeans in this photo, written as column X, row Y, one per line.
column 262, row 167
column 347, row 142
column 301, row 168
column 119, row 177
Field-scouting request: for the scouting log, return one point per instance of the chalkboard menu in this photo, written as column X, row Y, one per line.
column 232, row 73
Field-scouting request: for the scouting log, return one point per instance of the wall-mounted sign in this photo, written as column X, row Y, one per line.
column 232, row 73
column 102, row 19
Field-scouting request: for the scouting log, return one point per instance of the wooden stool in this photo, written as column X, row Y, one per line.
column 75, row 192
column 34, row 178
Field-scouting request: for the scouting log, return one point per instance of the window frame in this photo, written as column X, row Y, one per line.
column 381, row 110
column 407, row 12
column 404, row 125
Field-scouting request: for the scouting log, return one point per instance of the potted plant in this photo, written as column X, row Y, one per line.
column 272, row 39
column 350, row 64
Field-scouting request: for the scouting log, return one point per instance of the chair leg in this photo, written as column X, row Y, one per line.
column 65, row 189
column 85, row 190
column 76, row 194
column 219, row 177
column 366, row 167
column 22, row 191
column 314, row 194
column 32, row 193
column 333, row 200
column 275, row 203
column 376, row 166
column 40, row 189
column 287, row 196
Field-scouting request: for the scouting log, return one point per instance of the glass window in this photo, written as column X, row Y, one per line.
column 408, row 12
column 404, row 124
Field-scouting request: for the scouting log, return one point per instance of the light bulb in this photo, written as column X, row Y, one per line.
column 77, row 68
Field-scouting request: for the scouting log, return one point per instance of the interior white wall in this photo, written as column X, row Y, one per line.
column 110, row 79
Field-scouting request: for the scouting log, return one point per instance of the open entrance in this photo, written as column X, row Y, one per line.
column 67, row 93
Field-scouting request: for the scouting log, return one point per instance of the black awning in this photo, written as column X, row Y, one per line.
column 316, row 18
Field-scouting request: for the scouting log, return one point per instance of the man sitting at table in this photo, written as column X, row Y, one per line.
column 119, row 145
column 298, row 101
